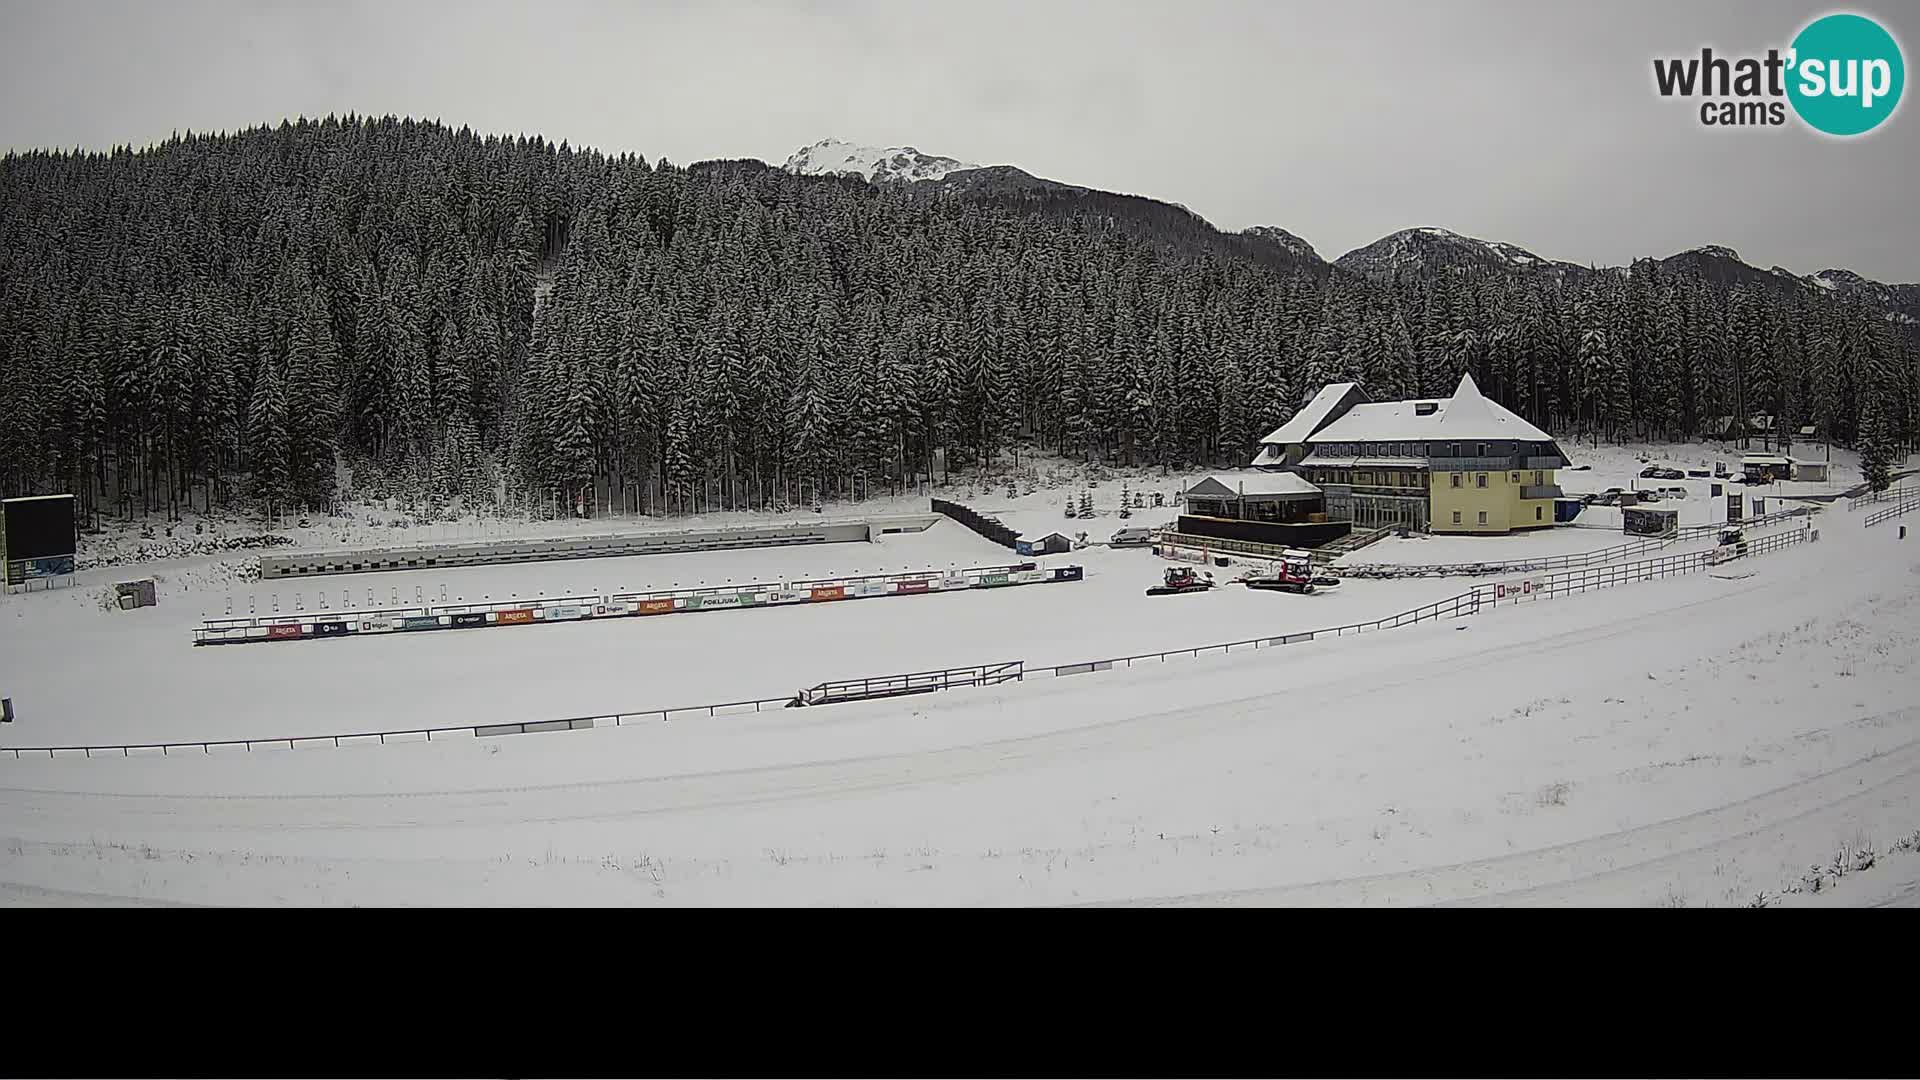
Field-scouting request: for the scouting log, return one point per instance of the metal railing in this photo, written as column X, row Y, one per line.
column 1568, row 583
column 1467, row 603
column 1577, row 561
column 1472, row 602
column 838, row 691
column 1891, row 512
column 1484, row 569
column 1223, row 546
column 1892, row 494
column 429, row 734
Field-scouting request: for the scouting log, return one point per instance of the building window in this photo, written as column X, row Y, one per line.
column 1483, row 450
column 1482, row 482
column 1536, row 512
column 1483, row 517
column 1456, row 517
column 1456, row 479
column 1516, row 478
column 1536, row 478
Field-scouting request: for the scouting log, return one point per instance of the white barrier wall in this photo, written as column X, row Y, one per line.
column 493, row 552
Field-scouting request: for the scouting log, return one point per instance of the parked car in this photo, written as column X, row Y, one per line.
column 1131, row 537
column 1649, row 472
column 1610, row 497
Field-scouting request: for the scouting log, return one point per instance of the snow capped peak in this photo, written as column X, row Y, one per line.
column 1276, row 235
column 832, row 157
column 1718, row 251
column 1428, row 246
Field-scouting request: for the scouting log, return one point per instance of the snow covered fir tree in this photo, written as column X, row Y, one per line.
column 221, row 320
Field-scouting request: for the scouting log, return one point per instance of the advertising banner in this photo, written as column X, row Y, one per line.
column 514, row 615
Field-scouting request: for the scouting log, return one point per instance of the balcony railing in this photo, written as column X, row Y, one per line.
column 1473, row 464
column 1542, row 491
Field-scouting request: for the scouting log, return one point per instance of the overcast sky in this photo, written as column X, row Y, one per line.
column 1530, row 122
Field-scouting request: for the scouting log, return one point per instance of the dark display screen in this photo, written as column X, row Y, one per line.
column 39, row 528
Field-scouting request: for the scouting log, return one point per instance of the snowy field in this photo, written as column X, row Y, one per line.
column 1695, row 741
column 1690, row 742
column 58, row 638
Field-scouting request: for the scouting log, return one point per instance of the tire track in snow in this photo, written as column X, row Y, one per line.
column 857, row 775
column 1539, row 875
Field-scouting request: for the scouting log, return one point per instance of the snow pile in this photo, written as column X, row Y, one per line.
column 110, row 550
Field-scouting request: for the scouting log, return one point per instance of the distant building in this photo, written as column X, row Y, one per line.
column 1279, row 508
column 1042, row 543
column 1813, row 472
column 1461, row 464
column 1766, row 468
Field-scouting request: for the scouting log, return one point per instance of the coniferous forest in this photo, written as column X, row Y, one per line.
column 222, row 320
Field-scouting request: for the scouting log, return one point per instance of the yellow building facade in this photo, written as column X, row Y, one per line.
column 1490, row 501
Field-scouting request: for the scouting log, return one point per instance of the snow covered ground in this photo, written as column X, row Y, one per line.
column 1692, row 741
column 59, row 640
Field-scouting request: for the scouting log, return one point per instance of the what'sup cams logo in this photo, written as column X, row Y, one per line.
column 1842, row 75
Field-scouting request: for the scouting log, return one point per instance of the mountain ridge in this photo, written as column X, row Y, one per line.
column 1417, row 249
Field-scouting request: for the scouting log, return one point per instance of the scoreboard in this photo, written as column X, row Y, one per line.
column 38, row 537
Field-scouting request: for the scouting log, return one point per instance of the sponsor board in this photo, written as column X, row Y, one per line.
column 420, row 622
column 283, row 631
column 563, row 611
column 654, row 607
column 514, row 615
column 21, row 571
column 470, row 618
column 375, row 625
column 1516, row 590
column 989, row 580
column 329, row 629
column 1066, row 573
column 873, row 588
column 910, row 586
column 832, row 592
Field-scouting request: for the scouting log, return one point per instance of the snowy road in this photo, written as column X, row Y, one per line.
column 1694, row 741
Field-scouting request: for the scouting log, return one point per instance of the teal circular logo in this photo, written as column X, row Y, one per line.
column 1846, row 74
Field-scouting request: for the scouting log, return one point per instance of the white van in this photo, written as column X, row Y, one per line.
column 1135, row 536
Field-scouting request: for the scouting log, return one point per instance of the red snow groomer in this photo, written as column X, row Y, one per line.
column 1292, row 573
column 1181, row 579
